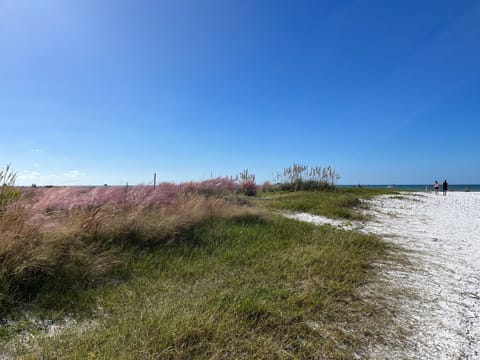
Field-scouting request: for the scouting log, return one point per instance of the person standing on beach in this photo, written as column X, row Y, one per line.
column 445, row 187
column 436, row 186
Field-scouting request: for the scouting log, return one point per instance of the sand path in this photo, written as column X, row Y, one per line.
column 443, row 235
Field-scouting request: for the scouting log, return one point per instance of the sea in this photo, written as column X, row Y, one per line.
column 420, row 187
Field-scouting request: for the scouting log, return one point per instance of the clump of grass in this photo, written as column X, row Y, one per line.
column 8, row 193
column 247, row 183
column 399, row 197
column 300, row 177
column 38, row 256
column 344, row 203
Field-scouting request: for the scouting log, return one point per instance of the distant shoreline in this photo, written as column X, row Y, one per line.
column 417, row 187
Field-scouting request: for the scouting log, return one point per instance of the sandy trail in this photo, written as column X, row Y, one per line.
column 443, row 235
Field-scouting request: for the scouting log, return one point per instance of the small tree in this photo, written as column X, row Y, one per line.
column 8, row 193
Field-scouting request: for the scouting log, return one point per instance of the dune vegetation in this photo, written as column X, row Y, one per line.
column 194, row 270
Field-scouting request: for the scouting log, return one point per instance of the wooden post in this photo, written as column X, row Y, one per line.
column 154, row 180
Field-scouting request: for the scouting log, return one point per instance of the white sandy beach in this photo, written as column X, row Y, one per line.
column 442, row 235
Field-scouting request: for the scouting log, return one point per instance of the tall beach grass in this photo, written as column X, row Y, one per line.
column 59, row 239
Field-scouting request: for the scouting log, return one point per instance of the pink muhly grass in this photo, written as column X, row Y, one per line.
column 72, row 198
column 62, row 198
column 74, row 235
column 36, row 248
column 249, row 188
column 143, row 196
column 219, row 184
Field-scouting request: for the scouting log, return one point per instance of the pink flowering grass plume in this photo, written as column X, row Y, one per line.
column 143, row 196
column 249, row 188
column 71, row 198
column 215, row 185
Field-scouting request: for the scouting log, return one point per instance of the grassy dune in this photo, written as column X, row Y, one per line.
column 343, row 203
column 199, row 277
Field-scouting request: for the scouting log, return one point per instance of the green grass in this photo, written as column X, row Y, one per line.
column 250, row 287
column 343, row 203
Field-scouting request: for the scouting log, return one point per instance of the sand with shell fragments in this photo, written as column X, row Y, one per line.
column 442, row 234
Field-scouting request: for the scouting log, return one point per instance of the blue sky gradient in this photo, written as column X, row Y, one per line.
column 95, row 92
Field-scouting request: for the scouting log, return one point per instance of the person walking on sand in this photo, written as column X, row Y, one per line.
column 436, row 186
column 445, row 187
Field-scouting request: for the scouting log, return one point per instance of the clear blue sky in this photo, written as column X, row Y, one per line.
column 95, row 92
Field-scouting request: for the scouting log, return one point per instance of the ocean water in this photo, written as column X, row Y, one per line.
column 421, row 187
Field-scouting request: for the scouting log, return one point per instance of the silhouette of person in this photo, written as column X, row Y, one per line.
column 436, row 186
column 445, row 187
